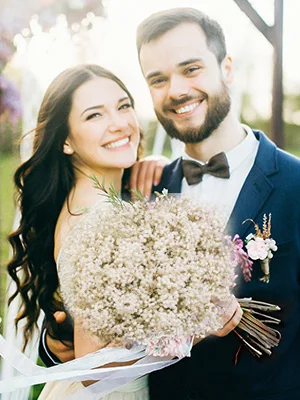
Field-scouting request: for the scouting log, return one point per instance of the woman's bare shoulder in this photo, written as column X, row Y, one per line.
column 72, row 211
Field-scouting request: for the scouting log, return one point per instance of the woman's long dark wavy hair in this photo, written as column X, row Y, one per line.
column 43, row 183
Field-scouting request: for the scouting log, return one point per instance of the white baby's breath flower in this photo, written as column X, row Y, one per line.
column 147, row 270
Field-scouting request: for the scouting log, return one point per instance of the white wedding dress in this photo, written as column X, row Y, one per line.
column 135, row 390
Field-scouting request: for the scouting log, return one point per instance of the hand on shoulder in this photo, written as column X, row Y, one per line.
column 147, row 173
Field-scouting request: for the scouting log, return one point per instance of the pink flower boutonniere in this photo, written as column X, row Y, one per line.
column 260, row 246
column 241, row 257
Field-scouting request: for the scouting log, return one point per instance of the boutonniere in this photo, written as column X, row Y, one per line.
column 260, row 246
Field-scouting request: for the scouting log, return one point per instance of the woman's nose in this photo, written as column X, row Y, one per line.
column 117, row 123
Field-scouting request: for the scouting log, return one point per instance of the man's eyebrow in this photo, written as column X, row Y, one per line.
column 152, row 75
column 101, row 105
column 181, row 64
column 189, row 61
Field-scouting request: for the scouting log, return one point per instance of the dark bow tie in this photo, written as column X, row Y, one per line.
column 216, row 166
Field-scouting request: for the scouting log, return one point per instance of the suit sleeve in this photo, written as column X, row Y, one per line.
column 48, row 358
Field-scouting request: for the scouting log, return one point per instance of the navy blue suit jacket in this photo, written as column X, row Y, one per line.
column 272, row 186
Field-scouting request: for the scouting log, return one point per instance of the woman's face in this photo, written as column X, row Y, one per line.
column 103, row 128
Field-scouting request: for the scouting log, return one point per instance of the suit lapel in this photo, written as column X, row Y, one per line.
column 256, row 189
column 253, row 195
column 172, row 177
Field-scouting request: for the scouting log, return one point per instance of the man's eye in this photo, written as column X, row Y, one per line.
column 94, row 115
column 158, row 81
column 191, row 70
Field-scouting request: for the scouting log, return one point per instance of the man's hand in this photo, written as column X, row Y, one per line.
column 146, row 173
column 63, row 351
column 232, row 316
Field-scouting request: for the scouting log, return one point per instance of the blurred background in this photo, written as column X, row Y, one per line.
column 40, row 38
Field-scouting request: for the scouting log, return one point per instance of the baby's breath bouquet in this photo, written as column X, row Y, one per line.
column 152, row 273
column 144, row 278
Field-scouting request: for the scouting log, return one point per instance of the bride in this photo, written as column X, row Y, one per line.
column 86, row 126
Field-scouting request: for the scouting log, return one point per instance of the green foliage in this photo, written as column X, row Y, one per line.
column 150, row 138
column 291, row 133
column 112, row 195
column 35, row 391
column 292, row 102
column 8, row 165
column 9, row 136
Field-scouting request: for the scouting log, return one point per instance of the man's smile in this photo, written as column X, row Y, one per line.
column 187, row 109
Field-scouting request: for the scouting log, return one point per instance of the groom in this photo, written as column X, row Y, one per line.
column 183, row 58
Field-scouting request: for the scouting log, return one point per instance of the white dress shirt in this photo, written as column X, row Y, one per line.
column 220, row 192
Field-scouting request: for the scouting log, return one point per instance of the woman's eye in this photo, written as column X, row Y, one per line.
column 94, row 115
column 125, row 106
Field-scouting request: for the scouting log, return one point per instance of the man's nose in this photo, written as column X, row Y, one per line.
column 178, row 87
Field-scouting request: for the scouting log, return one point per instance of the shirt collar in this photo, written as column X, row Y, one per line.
column 239, row 153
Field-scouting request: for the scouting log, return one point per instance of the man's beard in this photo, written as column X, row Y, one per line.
column 218, row 107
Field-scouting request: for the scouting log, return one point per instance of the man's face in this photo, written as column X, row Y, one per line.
column 187, row 85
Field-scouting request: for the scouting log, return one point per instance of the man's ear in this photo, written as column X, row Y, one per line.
column 68, row 149
column 227, row 70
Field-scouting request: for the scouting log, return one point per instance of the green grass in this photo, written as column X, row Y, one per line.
column 295, row 152
column 8, row 165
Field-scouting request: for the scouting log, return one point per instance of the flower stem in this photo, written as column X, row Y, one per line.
column 261, row 338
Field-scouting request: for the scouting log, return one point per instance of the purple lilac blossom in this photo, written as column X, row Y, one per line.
column 10, row 100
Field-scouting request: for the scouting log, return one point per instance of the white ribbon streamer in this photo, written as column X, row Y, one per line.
column 17, row 359
column 119, row 379
column 81, row 369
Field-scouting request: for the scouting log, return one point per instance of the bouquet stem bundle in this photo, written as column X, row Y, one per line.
column 253, row 328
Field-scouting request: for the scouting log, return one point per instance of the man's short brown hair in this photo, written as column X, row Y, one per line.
column 161, row 22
